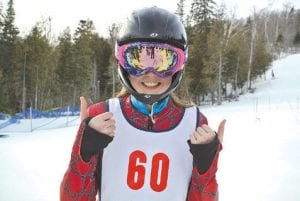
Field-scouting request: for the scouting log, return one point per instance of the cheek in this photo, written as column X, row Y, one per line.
column 167, row 81
column 135, row 83
column 133, row 80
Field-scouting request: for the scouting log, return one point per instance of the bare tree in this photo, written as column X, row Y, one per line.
column 252, row 43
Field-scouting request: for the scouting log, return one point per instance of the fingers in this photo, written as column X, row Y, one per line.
column 104, row 123
column 193, row 139
column 207, row 129
column 106, row 116
column 108, row 127
column 83, row 108
column 203, row 135
column 221, row 129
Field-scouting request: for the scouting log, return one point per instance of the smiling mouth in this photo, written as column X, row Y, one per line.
column 151, row 84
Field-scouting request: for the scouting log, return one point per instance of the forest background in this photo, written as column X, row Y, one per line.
column 226, row 55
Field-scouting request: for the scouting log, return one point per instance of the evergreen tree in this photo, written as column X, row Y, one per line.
column 20, row 73
column 297, row 40
column 83, row 60
column 102, row 52
column 180, row 10
column 236, row 63
column 40, row 64
column 219, row 35
column 193, row 69
column 2, row 95
column 202, row 14
column 279, row 44
column 8, row 38
column 232, row 63
column 213, row 63
column 3, row 102
column 280, row 38
column 261, row 59
column 65, row 69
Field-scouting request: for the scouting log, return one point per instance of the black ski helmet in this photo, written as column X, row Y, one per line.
column 152, row 25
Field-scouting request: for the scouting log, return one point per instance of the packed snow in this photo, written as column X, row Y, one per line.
column 259, row 160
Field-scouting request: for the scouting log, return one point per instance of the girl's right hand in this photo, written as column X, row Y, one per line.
column 103, row 123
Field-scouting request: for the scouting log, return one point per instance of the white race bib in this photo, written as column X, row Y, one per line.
column 140, row 165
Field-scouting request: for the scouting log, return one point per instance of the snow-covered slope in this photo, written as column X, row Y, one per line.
column 259, row 161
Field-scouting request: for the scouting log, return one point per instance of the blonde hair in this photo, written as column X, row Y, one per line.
column 178, row 101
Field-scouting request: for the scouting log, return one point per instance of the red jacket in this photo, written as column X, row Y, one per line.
column 80, row 180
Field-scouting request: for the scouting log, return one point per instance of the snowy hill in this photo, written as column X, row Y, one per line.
column 259, row 161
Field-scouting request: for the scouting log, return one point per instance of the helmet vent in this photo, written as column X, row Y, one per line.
column 153, row 35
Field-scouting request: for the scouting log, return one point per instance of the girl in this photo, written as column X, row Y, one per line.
column 147, row 144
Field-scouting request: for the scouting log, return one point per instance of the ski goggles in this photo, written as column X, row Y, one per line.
column 140, row 58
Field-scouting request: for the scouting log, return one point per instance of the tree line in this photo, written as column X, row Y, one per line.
column 226, row 55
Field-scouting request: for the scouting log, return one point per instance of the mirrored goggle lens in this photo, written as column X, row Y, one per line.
column 158, row 58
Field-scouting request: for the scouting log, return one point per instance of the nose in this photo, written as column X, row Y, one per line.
column 151, row 74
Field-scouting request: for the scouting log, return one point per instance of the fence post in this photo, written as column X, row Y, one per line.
column 30, row 114
column 67, row 123
column 257, row 118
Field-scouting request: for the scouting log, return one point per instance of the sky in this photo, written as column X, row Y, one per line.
column 68, row 13
column 259, row 160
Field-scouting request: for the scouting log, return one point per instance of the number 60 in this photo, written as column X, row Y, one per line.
column 137, row 170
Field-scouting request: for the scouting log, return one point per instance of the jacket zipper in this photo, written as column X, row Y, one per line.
column 151, row 120
column 150, row 123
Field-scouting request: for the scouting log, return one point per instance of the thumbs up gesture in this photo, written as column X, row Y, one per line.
column 103, row 123
column 83, row 109
column 205, row 135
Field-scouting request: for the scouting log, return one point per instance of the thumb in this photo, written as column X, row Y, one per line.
column 221, row 130
column 83, row 108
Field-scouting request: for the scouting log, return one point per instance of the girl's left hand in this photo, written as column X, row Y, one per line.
column 205, row 135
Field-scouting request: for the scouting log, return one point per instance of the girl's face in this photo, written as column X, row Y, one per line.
column 150, row 83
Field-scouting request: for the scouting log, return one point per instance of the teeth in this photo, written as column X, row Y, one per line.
column 151, row 84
